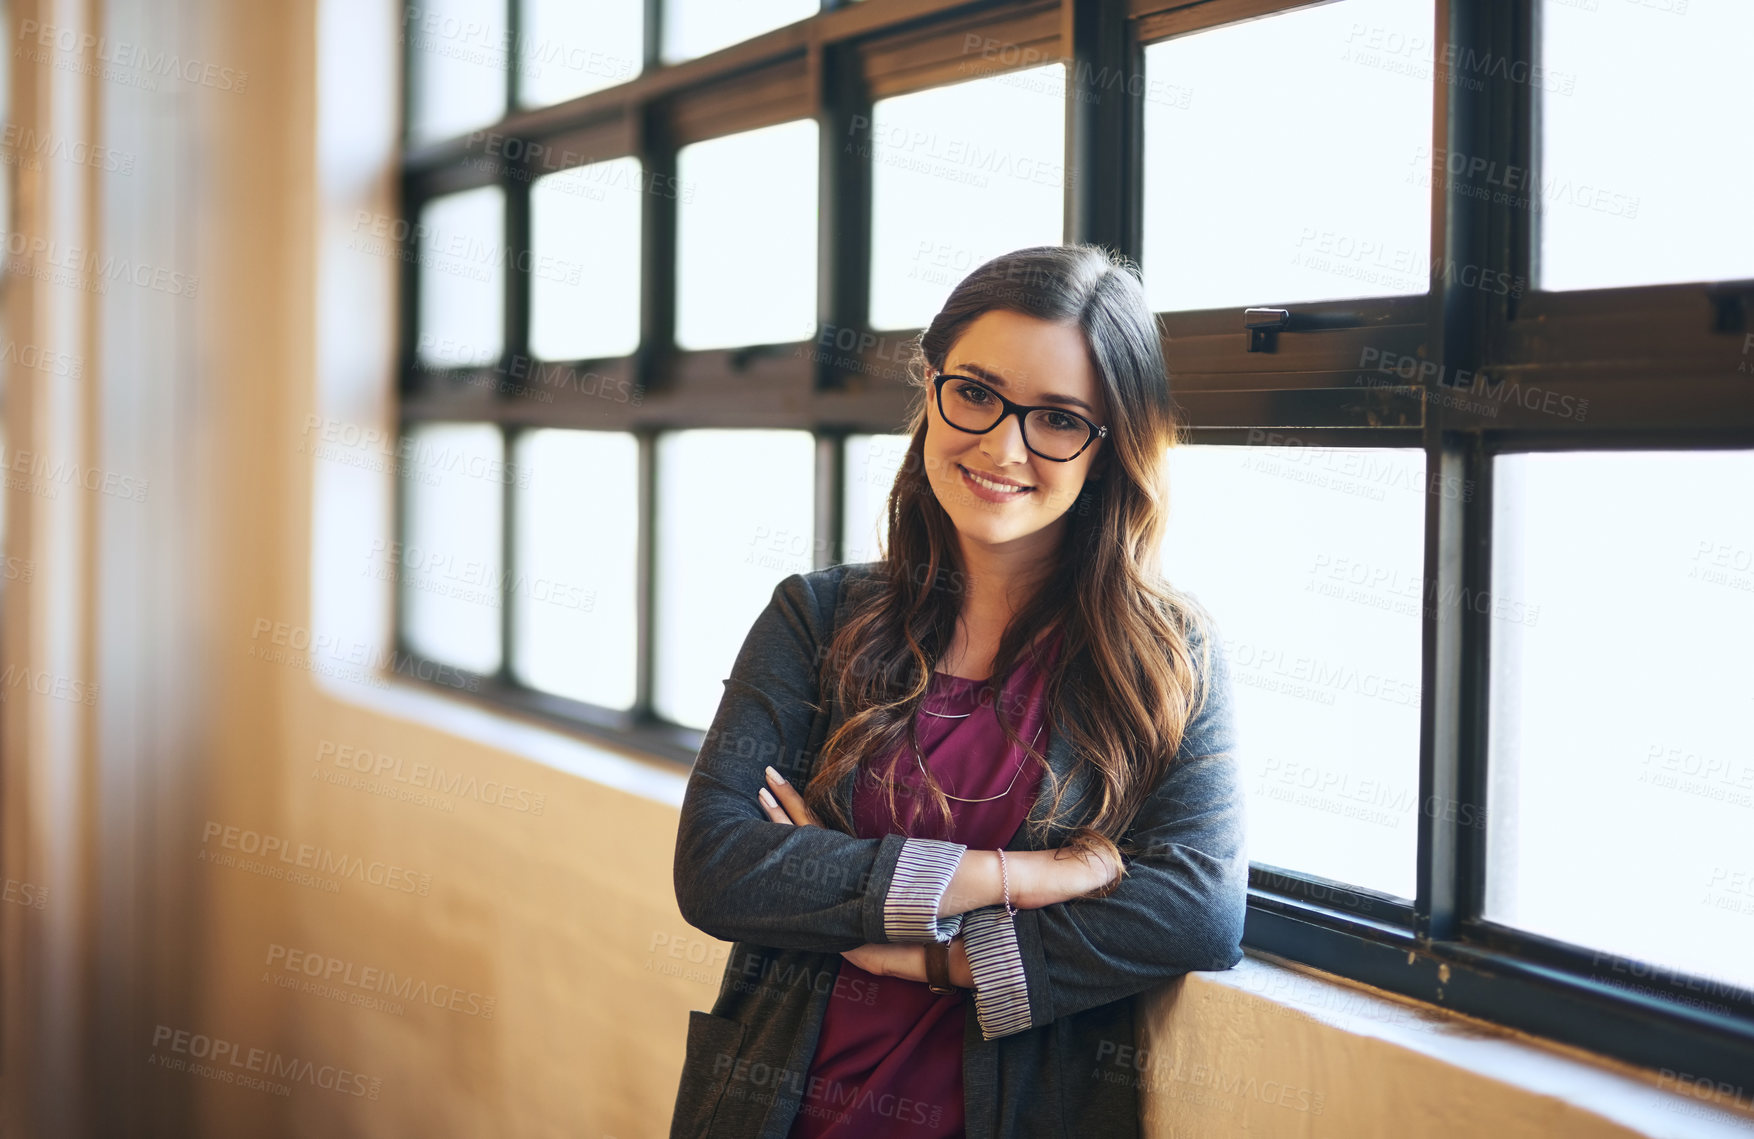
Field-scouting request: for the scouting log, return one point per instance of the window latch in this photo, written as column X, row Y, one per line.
column 1729, row 309
column 1264, row 326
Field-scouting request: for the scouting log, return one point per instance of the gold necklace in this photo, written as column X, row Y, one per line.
column 920, row 757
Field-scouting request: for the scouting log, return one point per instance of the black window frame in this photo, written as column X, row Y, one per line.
column 1658, row 364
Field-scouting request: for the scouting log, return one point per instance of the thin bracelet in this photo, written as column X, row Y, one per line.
column 1005, row 877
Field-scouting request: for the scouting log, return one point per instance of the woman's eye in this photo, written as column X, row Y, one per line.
column 1060, row 421
column 973, row 394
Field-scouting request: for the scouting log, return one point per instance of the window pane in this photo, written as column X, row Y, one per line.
column 574, row 599
column 1333, row 101
column 450, row 564
column 567, row 49
column 697, row 27
column 457, row 63
column 872, row 464
column 1309, row 560
column 746, row 247
column 585, row 276
column 462, row 278
column 1622, row 765
column 735, row 516
column 1636, row 185
column 961, row 174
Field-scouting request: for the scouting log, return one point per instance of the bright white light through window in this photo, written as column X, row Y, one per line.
column 449, row 566
column 746, row 238
column 575, row 597
column 699, row 27
column 585, row 272
column 1622, row 763
column 1635, row 183
column 960, row 175
column 567, row 49
column 1308, row 559
column 462, row 279
column 457, row 62
column 735, row 517
column 872, row 464
column 1288, row 158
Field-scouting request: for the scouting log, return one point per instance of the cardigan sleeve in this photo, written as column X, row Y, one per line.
column 739, row 876
column 1179, row 908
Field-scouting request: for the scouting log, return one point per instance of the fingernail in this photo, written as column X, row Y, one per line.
column 776, row 776
column 765, row 797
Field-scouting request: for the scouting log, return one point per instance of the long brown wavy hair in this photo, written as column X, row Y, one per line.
column 1124, row 661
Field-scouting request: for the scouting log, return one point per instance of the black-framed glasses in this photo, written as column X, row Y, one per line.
column 1053, row 433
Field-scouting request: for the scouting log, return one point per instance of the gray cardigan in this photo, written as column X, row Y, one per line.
column 791, row 899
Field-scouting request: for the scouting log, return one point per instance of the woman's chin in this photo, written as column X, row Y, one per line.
column 992, row 532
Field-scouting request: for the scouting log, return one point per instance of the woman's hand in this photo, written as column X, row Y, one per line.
column 900, row 959
column 1046, row 877
column 907, row 961
column 783, row 804
column 904, row 960
column 1037, row 880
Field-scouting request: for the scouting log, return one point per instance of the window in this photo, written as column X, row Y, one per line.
column 449, row 578
column 462, row 277
column 746, row 238
column 457, row 64
column 576, row 550
column 1628, row 187
column 696, row 27
column 1316, row 589
column 585, row 270
column 1346, row 124
column 569, row 49
column 735, row 515
column 1487, row 430
column 1619, row 762
column 872, row 462
column 961, row 174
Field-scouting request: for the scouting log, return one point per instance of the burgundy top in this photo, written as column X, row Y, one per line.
column 889, row 1058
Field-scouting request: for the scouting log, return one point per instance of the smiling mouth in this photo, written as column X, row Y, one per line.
column 1006, row 489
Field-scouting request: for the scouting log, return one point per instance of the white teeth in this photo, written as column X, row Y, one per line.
column 990, row 485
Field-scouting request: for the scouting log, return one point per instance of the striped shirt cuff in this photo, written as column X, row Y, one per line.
column 922, row 873
column 1001, row 991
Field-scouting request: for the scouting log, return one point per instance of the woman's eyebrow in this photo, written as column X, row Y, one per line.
column 992, row 378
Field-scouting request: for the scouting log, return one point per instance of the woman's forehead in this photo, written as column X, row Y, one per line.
column 1026, row 356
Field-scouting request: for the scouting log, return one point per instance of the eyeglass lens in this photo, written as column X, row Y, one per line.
column 1052, row 434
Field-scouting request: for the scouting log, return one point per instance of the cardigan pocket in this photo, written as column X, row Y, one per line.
column 713, row 1044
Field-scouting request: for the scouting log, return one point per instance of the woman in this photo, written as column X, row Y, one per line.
column 910, row 958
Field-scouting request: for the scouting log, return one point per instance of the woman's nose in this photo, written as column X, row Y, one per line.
column 1004, row 443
